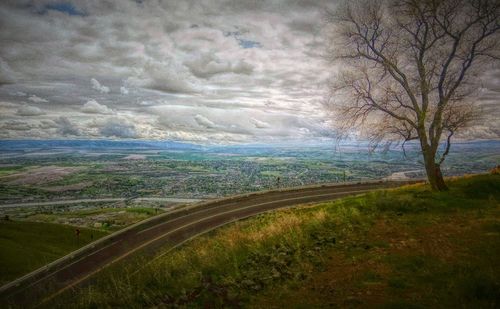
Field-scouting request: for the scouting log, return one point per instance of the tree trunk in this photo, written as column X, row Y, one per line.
column 434, row 174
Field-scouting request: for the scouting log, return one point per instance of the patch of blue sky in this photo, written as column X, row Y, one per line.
column 249, row 43
column 64, row 7
column 243, row 42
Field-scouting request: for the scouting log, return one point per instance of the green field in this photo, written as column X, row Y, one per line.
column 107, row 218
column 26, row 246
column 402, row 248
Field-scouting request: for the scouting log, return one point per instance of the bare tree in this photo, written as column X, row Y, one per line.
column 409, row 70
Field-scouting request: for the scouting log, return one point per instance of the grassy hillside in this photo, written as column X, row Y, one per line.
column 403, row 248
column 26, row 246
column 109, row 218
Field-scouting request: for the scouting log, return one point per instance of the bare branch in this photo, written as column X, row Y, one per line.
column 409, row 68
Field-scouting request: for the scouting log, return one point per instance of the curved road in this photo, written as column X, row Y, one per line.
column 101, row 200
column 166, row 230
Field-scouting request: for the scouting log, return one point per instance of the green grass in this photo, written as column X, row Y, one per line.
column 111, row 218
column 402, row 248
column 271, row 173
column 143, row 210
column 26, row 246
column 7, row 170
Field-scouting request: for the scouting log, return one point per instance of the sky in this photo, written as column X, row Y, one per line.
column 210, row 71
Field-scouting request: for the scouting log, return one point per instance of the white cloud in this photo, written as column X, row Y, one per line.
column 242, row 67
column 18, row 93
column 208, row 65
column 164, row 77
column 27, row 110
column 304, row 131
column 97, row 86
column 36, row 99
column 191, row 70
column 147, row 103
column 67, row 128
column 259, row 124
column 204, row 122
column 8, row 104
column 47, row 124
column 16, row 125
column 93, row 107
column 7, row 76
column 118, row 128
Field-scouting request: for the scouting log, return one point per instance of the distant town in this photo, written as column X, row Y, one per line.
column 129, row 170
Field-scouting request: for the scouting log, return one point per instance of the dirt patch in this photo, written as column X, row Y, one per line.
column 135, row 157
column 41, row 175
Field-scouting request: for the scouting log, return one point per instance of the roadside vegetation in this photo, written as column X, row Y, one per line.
column 26, row 246
column 401, row 248
column 102, row 218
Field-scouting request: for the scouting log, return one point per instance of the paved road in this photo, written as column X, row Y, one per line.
column 166, row 230
column 100, row 200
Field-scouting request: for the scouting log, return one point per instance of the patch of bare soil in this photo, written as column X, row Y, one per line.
column 135, row 157
column 40, row 175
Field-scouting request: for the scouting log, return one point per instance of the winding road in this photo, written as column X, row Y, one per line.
column 165, row 231
column 100, row 200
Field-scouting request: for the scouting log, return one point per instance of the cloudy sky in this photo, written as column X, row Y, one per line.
column 202, row 71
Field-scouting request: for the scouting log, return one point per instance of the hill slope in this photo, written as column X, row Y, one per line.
column 26, row 246
column 395, row 248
